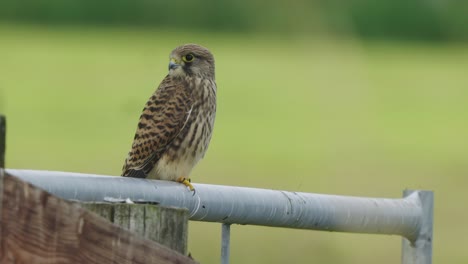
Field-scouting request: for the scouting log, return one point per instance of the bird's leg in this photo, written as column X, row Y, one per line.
column 186, row 182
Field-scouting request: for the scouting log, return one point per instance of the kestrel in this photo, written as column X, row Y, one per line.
column 177, row 121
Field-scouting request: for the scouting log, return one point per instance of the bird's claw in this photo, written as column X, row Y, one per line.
column 187, row 182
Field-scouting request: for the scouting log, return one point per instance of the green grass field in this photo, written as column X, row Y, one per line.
column 313, row 115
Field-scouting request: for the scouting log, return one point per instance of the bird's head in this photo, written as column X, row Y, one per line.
column 192, row 60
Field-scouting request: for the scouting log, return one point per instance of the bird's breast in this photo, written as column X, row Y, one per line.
column 196, row 135
column 189, row 147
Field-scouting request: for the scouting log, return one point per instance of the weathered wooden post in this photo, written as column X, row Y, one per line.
column 37, row 227
column 2, row 141
column 2, row 158
column 165, row 225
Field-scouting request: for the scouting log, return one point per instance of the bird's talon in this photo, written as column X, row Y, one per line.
column 186, row 182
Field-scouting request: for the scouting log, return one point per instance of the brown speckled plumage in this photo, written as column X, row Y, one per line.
column 177, row 122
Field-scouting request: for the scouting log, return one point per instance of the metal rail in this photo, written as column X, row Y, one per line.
column 409, row 217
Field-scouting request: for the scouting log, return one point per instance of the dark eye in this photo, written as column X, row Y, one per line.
column 188, row 57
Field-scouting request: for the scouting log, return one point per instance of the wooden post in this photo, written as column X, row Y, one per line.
column 38, row 227
column 2, row 141
column 2, row 161
column 167, row 226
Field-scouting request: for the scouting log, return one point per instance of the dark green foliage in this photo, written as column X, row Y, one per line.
column 388, row 19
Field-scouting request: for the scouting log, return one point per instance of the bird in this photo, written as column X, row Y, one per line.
column 176, row 125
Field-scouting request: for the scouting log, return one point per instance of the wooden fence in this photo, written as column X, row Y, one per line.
column 410, row 217
column 38, row 227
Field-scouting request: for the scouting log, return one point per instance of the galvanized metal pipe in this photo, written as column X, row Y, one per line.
column 225, row 243
column 419, row 251
column 240, row 205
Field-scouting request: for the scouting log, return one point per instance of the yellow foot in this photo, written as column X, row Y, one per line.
column 186, row 182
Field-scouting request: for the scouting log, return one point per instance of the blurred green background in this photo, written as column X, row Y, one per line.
column 358, row 98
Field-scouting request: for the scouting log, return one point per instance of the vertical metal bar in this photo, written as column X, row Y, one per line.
column 419, row 251
column 225, row 243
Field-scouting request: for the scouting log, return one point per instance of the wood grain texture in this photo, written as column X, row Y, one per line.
column 38, row 227
column 167, row 226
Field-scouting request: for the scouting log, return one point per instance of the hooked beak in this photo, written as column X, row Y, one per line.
column 173, row 64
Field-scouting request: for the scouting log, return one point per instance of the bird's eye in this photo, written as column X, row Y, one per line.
column 188, row 58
